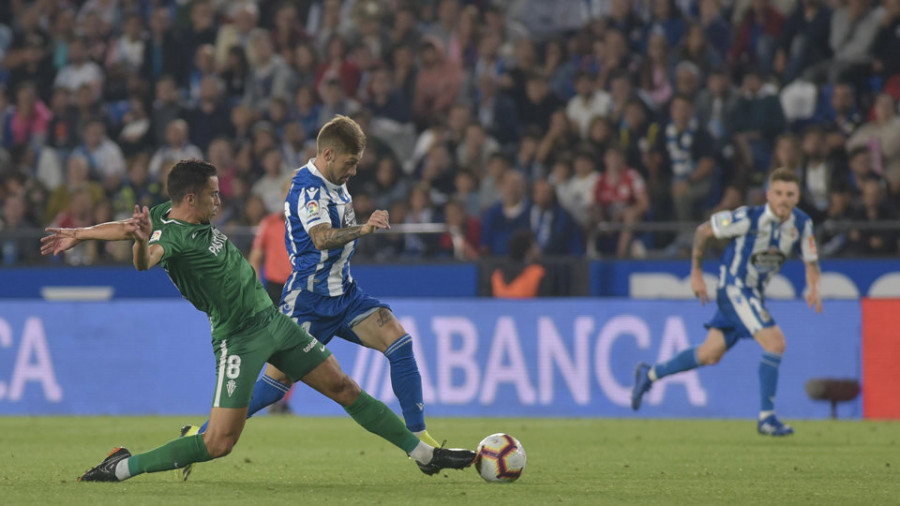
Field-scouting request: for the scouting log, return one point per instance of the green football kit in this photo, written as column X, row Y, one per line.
column 247, row 330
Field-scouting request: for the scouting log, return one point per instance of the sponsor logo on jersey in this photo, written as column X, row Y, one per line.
column 312, row 208
column 155, row 235
column 312, row 344
column 768, row 261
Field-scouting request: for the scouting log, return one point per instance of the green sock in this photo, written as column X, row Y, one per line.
column 379, row 419
column 172, row 455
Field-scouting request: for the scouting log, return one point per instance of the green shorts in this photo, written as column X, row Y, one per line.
column 273, row 338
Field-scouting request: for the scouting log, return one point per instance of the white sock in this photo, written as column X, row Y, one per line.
column 122, row 472
column 765, row 414
column 652, row 374
column 422, row 453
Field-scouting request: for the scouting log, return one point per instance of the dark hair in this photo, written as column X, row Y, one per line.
column 188, row 176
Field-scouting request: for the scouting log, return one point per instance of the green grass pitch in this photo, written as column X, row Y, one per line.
column 323, row 461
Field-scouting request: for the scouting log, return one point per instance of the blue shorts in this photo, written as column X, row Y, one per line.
column 325, row 317
column 742, row 313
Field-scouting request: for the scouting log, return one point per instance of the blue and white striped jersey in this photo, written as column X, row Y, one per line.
column 312, row 200
column 760, row 243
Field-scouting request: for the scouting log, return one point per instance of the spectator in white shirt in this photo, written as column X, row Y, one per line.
column 586, row 104
column 80, row 70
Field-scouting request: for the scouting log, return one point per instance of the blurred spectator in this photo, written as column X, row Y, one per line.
column 16, row 245
column 77, row 172
column 715, row 107
column 420, row 211
column 490, row 181
column 390, row 183
column 438, row 81
column 555, row 232
column 756, row 37
column 538, row 104
column 29, row 121
column 30, row 61
column 163, row 54
column 63, row 128
column 476, row 148
column 80, row 70
column 305, row 64
column 386, row 100
column 127, row 52
column 695, row 48
column 882, row 137
column 587, row 104
column 526, row 156
column 104, row 156
column 818, row 174
column 840, row 114
column 287, row 31
column 403, row 65
column 579, row 196
column 204, row 66
column 803, row 40
column 620, row 197
column 859, row 161
column 269, row 256
column 404, row 30
column 235, row 74
column 465, row 191
column 637, row 135
column 875, row 207
column 716, row 30
column 656, row 83
column 270, row 187
column 666, row 19
column 758, row 119
column 78, row 213
column 270, row 75
column 138, row 189
column 334, row 102
column 237, row 33
column 293, row 145
column 463, row 235
column 886, row 46
column 833, row 232
column 521, row 276
column 854, row 26
column 177, row 147
column 209, row 118
column 496, row 111
column 627, row 21
column 683, row 155
column 166, row 108
column 135, row 136
column 500, row 221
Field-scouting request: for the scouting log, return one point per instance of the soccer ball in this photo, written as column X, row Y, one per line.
column 500, row 458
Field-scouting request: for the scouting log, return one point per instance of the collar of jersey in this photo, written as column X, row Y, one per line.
column 312, row 168
column 769, row 215
column 176, row 220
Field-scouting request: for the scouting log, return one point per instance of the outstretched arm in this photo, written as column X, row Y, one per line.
column 62, row 239
column 325, row 237
column 813, row 297
column 701, row 237
column 145, row 254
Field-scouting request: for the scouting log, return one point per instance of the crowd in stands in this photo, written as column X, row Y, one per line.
column 563, row 117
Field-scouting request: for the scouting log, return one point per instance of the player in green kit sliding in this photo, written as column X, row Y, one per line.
column 247, row 330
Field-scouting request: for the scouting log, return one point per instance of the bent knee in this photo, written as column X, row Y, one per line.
column 345, row 391
column 219, row 446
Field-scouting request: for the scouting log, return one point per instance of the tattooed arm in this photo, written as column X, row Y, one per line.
column 701, row 238
column 325, row 237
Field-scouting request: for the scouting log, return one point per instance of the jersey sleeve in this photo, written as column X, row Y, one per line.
column 808, row 250
column 312, row 207
column 158, row 236
column 727, row 224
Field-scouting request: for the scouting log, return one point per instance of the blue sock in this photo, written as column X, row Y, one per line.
column 768, row 380
column 266, row 391
column 407, row 382
column 684, row 361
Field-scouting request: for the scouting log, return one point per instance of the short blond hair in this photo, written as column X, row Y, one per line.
column 343, row 135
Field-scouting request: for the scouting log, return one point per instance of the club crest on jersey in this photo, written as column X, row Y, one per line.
column 156, row 235
column 231, row 386
column 349, row 218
